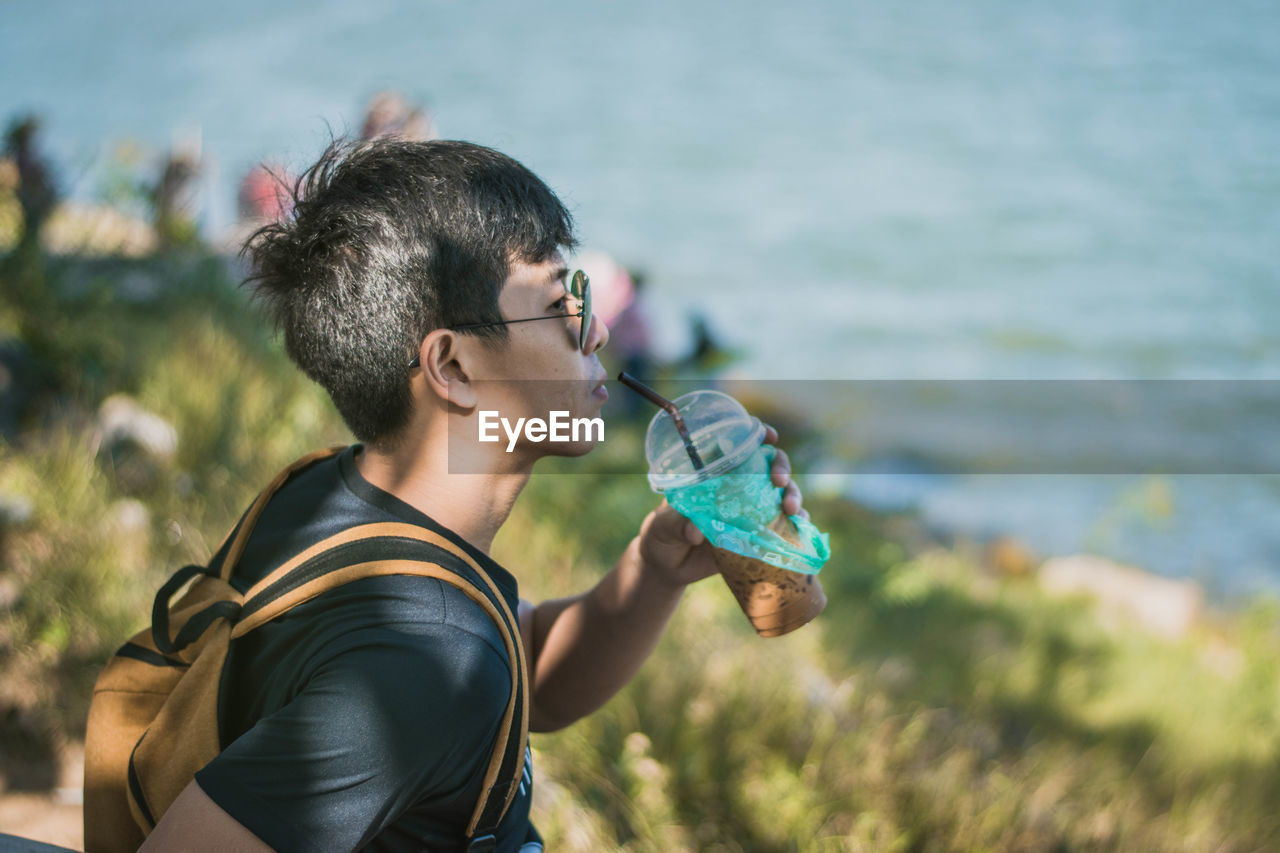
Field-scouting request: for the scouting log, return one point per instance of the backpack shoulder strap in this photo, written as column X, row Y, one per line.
column 238, row 538
column 395, row 548
column 239, row 535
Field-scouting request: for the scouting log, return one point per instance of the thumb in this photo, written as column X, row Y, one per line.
column 692, row 534
column 668, row 525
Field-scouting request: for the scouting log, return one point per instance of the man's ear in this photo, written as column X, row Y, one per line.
column 448, row 368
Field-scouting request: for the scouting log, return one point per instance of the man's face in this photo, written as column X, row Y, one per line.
column 541, row 365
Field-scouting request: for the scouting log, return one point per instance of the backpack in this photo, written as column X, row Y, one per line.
column 153, row 719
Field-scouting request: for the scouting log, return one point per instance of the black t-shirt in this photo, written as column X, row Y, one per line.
column 365, row 717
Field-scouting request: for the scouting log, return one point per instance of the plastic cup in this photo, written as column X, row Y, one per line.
column 774, row 599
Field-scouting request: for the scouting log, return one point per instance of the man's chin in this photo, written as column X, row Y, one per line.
column 571, row 448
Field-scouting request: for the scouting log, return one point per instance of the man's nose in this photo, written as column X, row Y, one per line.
column 597, row 335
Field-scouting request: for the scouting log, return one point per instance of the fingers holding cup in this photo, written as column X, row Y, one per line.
column 780, row 476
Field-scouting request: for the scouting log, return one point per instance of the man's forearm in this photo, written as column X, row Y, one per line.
column 588, row 647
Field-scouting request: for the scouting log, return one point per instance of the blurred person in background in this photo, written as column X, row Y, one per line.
column 37, row 194
column 264, row 194
column 632, row 340
column 176, row 196
column 389, row 114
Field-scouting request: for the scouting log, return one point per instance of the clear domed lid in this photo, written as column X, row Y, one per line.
column 723, row 433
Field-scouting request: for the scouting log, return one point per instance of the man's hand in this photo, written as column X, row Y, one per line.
column 675, row 549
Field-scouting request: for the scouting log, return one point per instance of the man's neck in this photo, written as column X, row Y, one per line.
column 472, row 505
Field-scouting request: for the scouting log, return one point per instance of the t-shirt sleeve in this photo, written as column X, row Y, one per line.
column 377, row 727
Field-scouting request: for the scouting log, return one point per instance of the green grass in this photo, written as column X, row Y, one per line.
column 931, row 707
column 928, row 708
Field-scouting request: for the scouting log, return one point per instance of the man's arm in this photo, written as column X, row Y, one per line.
column 583, row 650
column 196, row 824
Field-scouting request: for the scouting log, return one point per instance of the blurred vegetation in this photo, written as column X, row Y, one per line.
column 96, row 531
column 933, row 706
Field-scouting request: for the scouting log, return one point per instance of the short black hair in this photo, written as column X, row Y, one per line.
column 387, row 240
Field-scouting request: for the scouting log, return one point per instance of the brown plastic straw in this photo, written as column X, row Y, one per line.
column 670, row 408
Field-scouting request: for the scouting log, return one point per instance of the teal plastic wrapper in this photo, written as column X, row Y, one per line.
column 733, row 511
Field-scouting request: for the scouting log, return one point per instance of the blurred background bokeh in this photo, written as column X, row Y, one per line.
column 771, row 193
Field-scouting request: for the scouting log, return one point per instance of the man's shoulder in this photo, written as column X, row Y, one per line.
column 428, row 614
column 457, row 654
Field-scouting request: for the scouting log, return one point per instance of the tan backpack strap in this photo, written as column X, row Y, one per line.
column 346, row 537
column 501, row 615
column 241, row 533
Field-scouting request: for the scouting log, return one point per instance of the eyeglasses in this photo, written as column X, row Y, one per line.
column 577, row 287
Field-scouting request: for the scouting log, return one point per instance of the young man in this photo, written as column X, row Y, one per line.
column 420, row 284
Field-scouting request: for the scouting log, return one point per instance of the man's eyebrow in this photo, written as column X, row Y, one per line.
column 557, row 277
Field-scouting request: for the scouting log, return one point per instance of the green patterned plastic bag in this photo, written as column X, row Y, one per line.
column 733, row 511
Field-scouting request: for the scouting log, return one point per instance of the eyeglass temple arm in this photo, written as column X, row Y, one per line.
column 416, row 361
